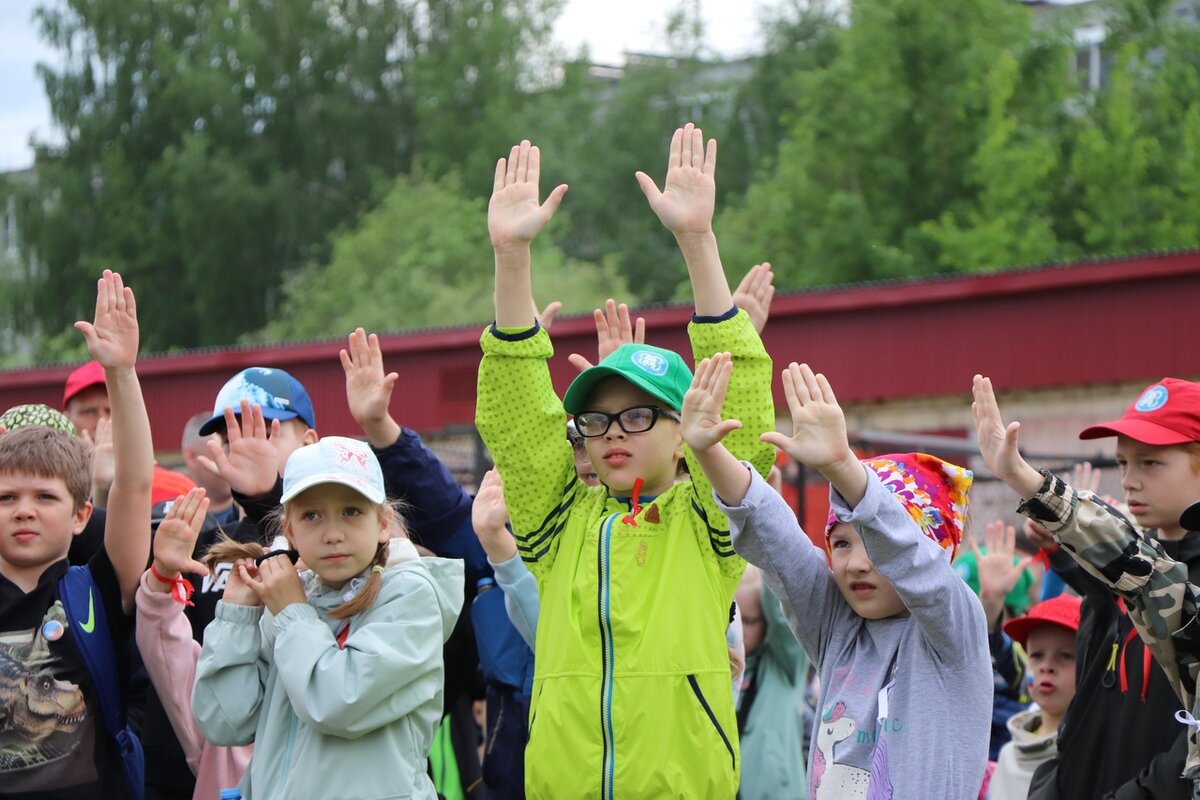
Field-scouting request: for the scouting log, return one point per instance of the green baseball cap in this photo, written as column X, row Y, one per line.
column 660, row 373
column 36, row 414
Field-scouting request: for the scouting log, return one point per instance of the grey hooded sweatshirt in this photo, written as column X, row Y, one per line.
column 906, row 702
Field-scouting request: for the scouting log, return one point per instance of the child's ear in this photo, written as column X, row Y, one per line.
column 83, row 512
column 385, row 523
column 678, row 443
column 309, row 437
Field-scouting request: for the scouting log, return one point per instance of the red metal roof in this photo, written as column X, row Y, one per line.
column 1110, row 321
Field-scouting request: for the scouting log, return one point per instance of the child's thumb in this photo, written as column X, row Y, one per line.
column 556, row 196
column 649, row 188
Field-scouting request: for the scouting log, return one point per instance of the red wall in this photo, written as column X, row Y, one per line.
column 1113, row 321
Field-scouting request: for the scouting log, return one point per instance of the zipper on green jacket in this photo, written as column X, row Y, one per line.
column 606, row 654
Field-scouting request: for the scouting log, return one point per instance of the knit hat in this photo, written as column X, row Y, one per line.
column 334, row 459
column 36, row 414
column 85, row 377
column 932, row 491
column 280, row 396
column 1062, row 611
column 1166, row 413
column 660, row 373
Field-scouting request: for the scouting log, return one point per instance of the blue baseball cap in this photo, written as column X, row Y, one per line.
column 281, row 397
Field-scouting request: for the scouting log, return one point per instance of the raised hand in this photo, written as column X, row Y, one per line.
column 252, row 465
column 277, row 585
column 1000, row 567
column 686, row 204
column 613, row 329
column 175, row 540
column 489, row 515
column 754, row 294
column 112, row 337
column 701, row 425
column 998, row 443
column 368, row 389
column 514, row 214
column 819, row 427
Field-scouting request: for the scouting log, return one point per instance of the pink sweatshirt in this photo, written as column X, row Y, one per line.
column 164, row 637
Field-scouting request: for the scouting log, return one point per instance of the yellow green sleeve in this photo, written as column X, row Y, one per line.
column 748, row 400
column 523, row 424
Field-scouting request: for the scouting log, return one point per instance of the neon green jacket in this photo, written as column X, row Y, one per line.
column 631, row 694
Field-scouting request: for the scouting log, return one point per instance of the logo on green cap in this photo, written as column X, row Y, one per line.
column 650, row 362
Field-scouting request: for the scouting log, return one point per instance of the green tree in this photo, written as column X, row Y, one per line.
column 1014, row 173
column 422, row 259
column 888, row 138
column 210, row 148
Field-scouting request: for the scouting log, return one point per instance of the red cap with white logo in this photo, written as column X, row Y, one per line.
column 1166, row 413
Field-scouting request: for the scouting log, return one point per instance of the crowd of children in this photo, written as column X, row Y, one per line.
column 332, row 617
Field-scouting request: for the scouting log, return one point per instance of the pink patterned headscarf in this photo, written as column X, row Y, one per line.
column 932, row 491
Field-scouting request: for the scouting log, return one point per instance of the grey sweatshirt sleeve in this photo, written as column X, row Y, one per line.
column 521, row 599
column 766, row 533
column 949, row 614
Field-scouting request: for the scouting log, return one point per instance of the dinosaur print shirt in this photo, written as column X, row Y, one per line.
column 52, row 745
column 906, row 702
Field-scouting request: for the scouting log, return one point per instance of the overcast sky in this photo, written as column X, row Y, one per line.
column 608, row 28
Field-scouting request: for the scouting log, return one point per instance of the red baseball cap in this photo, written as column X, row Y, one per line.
column 1062, row 611
column 1166, row 413
column 87, row 376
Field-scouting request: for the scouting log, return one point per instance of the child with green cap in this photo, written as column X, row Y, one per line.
column 636, row 576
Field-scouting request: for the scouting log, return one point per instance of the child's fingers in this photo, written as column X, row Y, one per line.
column 675, row 152
column 826, row 391
column 233, row 429
column 498, row 177
column 973, row 543
column 600, row 317
column 194, row 567
column 710, row 157
column 347, row 364
column 790, row 393
column 523, row 161
column 533, row 165
column 275, row 428
column 639, row 331
column 809, row 390
column 510, row 174
column 554, row 199
column 648, row 187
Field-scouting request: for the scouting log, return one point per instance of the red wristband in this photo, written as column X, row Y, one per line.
column 181, row 587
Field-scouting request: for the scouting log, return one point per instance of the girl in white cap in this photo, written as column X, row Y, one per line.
column 335, row 672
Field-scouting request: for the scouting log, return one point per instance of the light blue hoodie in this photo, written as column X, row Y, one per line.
column 350, row 722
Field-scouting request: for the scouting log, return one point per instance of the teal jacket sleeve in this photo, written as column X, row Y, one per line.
column 230, row 676
column 390, row 665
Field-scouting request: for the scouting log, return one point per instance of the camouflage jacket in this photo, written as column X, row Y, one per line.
column 1162, row 602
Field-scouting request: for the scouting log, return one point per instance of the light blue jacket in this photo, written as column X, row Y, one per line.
column 351, row 722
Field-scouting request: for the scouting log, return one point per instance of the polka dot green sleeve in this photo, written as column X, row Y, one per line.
column 748, row 400
column 523, row 424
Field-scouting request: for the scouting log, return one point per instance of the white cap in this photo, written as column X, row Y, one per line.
column 334, row 459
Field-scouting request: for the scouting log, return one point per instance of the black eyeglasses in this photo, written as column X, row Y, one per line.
column 632, row 420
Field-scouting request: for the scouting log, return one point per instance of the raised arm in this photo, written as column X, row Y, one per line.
column 514, row 218
column 112, row 340
column 519, row 416
column 1163, row 603
column 764, row 530
column 685, row 207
